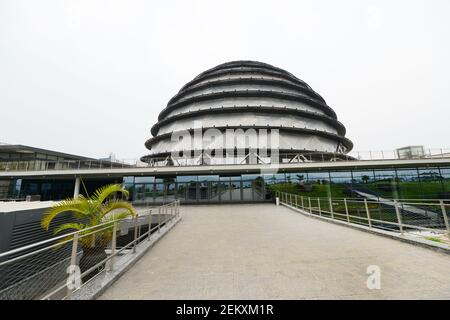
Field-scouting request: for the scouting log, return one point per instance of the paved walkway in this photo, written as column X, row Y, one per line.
column 261, row 251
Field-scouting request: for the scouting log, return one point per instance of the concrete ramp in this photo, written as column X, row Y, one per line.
column 261, row 251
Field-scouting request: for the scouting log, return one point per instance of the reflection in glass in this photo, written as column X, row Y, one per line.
column 139, row 192
column 159, row 192
column 144, row 179
column 169, row 186
column 149, row 192
column 224, row 189
column 247, row 190
column 235, row 186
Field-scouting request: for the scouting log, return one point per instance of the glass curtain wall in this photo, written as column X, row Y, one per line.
column 394, row 183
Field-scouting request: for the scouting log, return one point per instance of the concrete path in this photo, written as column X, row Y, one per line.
column 261, row 251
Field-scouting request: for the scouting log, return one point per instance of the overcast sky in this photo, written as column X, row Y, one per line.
column 90, row 77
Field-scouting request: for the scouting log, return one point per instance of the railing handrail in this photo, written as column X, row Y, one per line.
column 403, row 200
column 441, row 213
column 362, row 199
column 55, row 238
column 373, row 155
column 19, row 285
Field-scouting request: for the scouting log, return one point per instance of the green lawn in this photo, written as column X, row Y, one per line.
column 355, row 207
column 412, row 190
column 317, row 190
column 400, row 190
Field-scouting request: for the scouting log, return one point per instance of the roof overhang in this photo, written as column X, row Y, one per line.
column 226, row 169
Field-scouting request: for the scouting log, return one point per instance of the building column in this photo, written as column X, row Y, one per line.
column 76, row 190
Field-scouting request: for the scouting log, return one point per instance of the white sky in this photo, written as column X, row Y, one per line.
column 90, row 77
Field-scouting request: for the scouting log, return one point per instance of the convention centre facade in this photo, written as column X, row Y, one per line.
column 233, row 134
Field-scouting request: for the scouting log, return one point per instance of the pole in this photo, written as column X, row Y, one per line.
column 113, row 246
column 331, row 208
column 76, row 189
column 368, row 213
column 318, row 203
column 135, row 234
column 444, row 214
column 159, row 219
column 73, row 261
column 399, row 218
column 346, row 210
column 149, row 223
column 310, row 208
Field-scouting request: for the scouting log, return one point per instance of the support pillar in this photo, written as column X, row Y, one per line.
column 76, row 190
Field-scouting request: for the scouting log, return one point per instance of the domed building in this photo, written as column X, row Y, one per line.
column 278, row 116
column 270, row 116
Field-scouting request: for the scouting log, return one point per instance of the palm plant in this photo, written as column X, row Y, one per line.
column 99, row 210
column 96, row 212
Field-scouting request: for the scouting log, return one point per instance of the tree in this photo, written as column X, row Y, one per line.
column 96, row 212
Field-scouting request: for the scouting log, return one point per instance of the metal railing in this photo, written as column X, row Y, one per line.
column 421, row 219
column 430, row 153
column 58, row 267
column 46, row 165
column 284, row 158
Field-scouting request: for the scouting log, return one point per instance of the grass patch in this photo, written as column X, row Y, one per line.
column 410, row 190
column 434, row 239
column 324, row 190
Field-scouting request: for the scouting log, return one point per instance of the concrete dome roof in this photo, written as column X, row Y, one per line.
column 250, row 94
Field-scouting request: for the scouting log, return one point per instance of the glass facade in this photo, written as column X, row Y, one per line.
column 394, row 183
column 25, row 158
column 397, row 183
column 49, row 189
column 197, row 189
column 400, row 183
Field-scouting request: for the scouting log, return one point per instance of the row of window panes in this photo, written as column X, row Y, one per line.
column 415, row 174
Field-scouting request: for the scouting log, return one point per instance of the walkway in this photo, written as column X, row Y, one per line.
column 261, row 251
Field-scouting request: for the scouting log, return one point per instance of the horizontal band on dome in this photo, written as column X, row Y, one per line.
column 250, row 80
column 248, row 93
column 246, row 64
column 257, row 71
column 259, row 109
column 332, row 136
column 292, row 152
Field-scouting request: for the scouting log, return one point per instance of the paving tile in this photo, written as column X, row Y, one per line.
column 261, row 251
